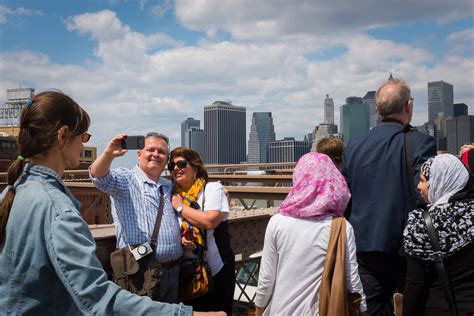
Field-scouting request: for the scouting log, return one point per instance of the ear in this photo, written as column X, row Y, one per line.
column 409, row 106
column 139, row 153
column 63, row 133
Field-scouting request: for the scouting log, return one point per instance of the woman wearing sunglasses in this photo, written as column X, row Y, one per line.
column 204, row 210
column 47, row 253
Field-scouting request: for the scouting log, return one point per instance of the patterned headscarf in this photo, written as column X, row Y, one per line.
column 425, row 168
column 319, row 189
column 451, row 217
column 447, row 176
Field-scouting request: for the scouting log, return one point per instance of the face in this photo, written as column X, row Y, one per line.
column 153, row 157
column 423, row 187
column 182, row 174
column 74, row 148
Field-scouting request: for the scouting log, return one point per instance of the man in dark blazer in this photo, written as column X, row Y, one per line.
column 374, row 165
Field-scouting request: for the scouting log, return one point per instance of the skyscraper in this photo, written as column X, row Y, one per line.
column 224, row 133
column 262, row 132
column 328, row 110
column 327, row 128
column 188, row 124
column 354, row 118
column 459, row 109
column 369, row 100
column 194, row 138
column 460, row 131
column 440, row 100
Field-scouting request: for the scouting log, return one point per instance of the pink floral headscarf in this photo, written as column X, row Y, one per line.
column 319, row 189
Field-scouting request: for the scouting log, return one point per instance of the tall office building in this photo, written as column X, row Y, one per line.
column 328, row 110
column 369, row 100
column 287, row 150
column 354, row 118
column 440, row 133
column 440, row 99
column 224, row 133
column 194, row 138
column 459, row 109
column 262, row 131
column 192, row 135
column 460, row 131
column 327, row 128
column 187, row 124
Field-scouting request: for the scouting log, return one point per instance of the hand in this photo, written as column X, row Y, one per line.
column 114, row 147
column 188, row 244
column 176, row 200
column 209, row 314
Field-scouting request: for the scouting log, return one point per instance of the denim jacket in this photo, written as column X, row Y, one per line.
column 47, row 261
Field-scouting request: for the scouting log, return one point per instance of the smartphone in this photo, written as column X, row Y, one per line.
column 133, row 142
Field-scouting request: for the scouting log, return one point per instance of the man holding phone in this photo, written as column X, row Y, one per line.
column 135, row 195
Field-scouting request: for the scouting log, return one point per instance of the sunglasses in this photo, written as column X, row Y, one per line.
column 85, row 137
column 181, row 164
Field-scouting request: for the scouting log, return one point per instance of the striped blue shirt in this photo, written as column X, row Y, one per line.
column 135, row 201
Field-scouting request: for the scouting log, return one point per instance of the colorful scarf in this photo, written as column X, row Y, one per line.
column 319, row 189
column 190, row 199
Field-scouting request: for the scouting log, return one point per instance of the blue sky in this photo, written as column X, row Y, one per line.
column 138, row 66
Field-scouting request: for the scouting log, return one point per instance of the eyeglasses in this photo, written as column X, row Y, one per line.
column 181, row 164
column 85, row 137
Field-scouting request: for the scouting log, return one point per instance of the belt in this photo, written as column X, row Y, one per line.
column 169, row 264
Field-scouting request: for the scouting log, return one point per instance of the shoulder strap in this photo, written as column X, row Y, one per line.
column 159, row 215
column 409, row 163
column 439, row 263
column 333, row 290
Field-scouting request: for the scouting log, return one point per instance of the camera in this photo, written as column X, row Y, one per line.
column 133, row 142
column 141, row 251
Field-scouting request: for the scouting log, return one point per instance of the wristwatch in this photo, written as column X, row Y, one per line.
column 179, row 209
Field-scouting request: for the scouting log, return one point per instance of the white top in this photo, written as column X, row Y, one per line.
column 215, row 199
column 292, row 265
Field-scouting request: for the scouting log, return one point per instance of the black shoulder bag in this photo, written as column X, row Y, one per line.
column 135, row 267
column 439, row 262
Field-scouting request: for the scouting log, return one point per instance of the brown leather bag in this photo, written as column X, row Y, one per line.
column 333, row 297
column 142, row 276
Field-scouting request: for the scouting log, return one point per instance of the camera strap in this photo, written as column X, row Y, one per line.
column 159, row 215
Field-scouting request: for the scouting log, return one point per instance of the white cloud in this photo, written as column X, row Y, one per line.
column 117, row 44
column 466, row 35
column 274, row 20
column 144, row 82
column 6, row 12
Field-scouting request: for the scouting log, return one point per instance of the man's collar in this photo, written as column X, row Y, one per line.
column 143, row 177
column 392, row 120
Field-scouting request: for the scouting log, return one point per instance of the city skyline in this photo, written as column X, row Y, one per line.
column 138, row 66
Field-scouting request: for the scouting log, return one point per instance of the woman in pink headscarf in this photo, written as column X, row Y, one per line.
column 296, row 242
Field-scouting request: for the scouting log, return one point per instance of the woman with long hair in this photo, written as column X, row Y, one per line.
column 204, row 209
column 47, row 253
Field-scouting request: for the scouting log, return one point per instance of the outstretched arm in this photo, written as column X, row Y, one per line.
column 101, row 166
